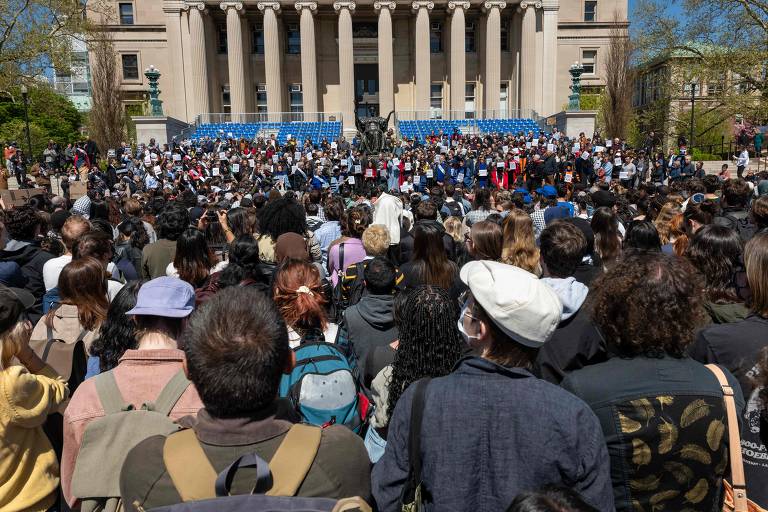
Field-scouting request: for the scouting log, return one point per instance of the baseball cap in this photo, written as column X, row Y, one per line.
column 13, row 302
column 547, row 191
column 522, row 306
column 552, row 213
column 165, row 296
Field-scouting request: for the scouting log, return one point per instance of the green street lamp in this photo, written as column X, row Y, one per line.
column 574, row 100
column 153, row 75
column 25, row 99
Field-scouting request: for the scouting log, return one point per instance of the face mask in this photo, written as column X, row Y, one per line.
column 468, row 339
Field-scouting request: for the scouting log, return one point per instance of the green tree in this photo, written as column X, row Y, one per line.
column 51, row 117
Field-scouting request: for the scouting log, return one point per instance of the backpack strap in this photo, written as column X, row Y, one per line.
column 194, row 477
column 170, row 394
column 734, row 441
column 109, row 394
column 293, row 458
column 190, row 470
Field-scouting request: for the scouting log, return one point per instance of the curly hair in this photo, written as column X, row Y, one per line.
column 430, row 342
column 22, row 222
column 172, row 222
column 283, row 215
column 118, row 332
column 654, row 286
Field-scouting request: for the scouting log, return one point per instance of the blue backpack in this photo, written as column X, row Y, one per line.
column 323, row 387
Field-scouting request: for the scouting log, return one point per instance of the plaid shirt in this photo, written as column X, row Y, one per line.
column 538, row 222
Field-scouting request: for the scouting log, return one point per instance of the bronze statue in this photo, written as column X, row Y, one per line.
column 372, row 133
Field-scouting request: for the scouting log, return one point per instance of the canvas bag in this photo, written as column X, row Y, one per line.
column 735, row 494
column 108, row 440
column 277, row 482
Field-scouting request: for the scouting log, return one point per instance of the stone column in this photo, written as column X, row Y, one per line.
column 458, row 58
column 176, row 103
column 538, row 64
column 199, row 74
column 422, row 75
column 527, row 58
column 386, row 59
column 493, row 57
column 235, row 58
column 272, row 64
column 346, row 65
column 549, row 68
column 308, row 59
column 517, row 26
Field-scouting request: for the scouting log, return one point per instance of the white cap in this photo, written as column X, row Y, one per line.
column 522, row 306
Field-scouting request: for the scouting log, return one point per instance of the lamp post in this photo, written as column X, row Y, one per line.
column 693, row 113
column 25, row 99
column 574, row 100
column 156, row 104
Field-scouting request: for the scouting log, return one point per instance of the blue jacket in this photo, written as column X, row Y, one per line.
column 489, row 433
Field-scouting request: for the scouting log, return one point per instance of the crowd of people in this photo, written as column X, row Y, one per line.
column 502, row 322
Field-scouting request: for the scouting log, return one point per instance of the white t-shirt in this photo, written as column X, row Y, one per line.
column 52, row 269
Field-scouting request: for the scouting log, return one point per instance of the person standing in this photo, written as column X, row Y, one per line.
column 742, row 162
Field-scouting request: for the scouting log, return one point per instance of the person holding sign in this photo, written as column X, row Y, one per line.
column 500, row 177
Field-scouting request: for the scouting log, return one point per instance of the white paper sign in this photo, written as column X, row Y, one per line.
column 252, row 163
column 576, row 146
column 430, row 173
column 568, row 177
column 617, row 161
column 369, row 173
column 551, row 147
column 351, row 180
column 499, row 165
column 416, row 179
column 482, row 172
column 505, row 149
column 624, row 175
column 297, row 155
column 460, row 177
column 608, row 143
column 215, row 171
column 222, row 155
column 599, row 149
column 396, row 161
column 156, row 168
column 235, row 167
column 358, row 169
column 334, row 145
column 407, row 166
column 527, row 145
column 176, row 157
column 404, row 187
column 147, row 160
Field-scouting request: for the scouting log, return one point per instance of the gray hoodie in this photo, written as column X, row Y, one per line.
column 370, row 323
column 571, row 293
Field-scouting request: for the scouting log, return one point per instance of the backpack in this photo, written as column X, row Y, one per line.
column 277, row 482
column 51, row 299
column 108, row 440
column 323, row 387
column 738, row 221
column 454, row 209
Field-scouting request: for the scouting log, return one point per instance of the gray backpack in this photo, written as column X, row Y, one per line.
column 277, row 482
column 107, row 440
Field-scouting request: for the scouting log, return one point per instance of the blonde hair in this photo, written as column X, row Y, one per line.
column 665, row 224
column 376, row 240
column 519, row 247
column 11, row 343
column 454, row 227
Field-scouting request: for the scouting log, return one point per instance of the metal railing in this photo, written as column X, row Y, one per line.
column 462, row 115
column 267, row 117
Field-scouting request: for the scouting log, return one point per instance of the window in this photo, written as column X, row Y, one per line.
column 590, row 10
column 130, row 66
column 226, row 103
column 714, row 88
column 126, row 13
column 469, row 100
column 504, row 35
column 436, row 38
column 688, row 85
column 436, row 101
column 221, row 39
column 261, row 99
column 257, row 39
column 503, row 99
column 469, row 38
column 588, row 59
column 293, row 39
column 296, row 99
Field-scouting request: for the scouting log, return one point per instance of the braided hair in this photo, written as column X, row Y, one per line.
column 430, row 342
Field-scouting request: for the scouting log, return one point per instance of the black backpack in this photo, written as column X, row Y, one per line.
column 341, row 299
column 740, row 222
column 454, row 208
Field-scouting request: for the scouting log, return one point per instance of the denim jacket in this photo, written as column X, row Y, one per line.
column 489, row 433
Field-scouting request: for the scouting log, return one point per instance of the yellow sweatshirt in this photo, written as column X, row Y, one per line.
column 29, row 471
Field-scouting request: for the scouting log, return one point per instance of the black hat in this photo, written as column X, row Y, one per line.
column 13, row 302
column 603, row 198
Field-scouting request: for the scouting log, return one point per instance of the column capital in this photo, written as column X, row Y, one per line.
column 344, row 4
column 384, row 4
column 457, row 4
column 237, row 6
column 300, row 6
column 263, row 6
column 494, row 4
column 200, row 6
column 423, row 4
column 535, row 5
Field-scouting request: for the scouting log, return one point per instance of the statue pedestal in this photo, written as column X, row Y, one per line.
column 572, row 123
column 161, row 128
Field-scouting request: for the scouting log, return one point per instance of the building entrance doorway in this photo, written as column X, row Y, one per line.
column 367, row 89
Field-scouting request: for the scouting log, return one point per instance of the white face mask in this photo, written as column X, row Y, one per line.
column 468, row 338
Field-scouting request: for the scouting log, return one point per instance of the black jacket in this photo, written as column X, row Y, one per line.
column 406, row 243
column 31, row 259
